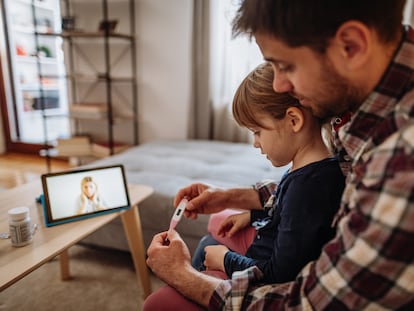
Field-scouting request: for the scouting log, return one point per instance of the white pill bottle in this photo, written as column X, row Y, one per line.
column 20, row 227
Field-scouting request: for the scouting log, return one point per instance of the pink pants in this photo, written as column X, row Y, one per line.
column 240, row 241
column 167, row 298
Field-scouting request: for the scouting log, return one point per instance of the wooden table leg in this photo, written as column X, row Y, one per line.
column 133, row 231
column 64, row 265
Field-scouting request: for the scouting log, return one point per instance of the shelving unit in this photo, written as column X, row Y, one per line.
column 101, row 71
column 38, row 105
column 56, row 70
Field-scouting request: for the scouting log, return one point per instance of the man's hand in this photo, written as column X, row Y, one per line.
column 202, row 199
column 170, row 258
column 167, row 255
column 206, row 199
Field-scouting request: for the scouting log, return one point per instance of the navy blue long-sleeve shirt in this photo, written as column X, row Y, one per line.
column 296, row 226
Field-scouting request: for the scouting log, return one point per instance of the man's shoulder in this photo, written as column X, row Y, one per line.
column 404, row 109
column 402, row 138
column 407, row 135
column 393, row 156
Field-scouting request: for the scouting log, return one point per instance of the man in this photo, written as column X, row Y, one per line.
column 352, row 60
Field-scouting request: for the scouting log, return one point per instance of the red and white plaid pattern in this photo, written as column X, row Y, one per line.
column 369, row 264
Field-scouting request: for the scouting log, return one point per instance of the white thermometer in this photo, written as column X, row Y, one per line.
column 178, row 213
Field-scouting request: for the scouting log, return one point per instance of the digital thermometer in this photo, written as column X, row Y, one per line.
column 178, row 213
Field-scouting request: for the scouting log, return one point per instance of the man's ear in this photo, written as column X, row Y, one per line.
column 295, row 118
column 354, row 39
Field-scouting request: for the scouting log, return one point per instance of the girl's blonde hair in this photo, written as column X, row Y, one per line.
column 96, row 199
column 255, row 95
column 87, row 179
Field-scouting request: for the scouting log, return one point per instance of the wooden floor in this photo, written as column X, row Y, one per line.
column 17, row 169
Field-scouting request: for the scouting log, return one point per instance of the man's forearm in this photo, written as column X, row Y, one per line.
column 195, row 285
column 245, row 198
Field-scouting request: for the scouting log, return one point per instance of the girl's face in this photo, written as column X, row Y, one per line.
column 274, row 140
column 89, row 189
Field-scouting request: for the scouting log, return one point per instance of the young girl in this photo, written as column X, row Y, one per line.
column 296, row 221
column 89, row 199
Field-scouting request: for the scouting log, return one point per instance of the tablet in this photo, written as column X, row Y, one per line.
column 79, row 194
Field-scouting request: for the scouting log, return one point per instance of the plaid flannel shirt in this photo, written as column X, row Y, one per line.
column 369, row 265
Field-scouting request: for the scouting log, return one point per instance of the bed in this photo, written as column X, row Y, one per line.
column 170, row 165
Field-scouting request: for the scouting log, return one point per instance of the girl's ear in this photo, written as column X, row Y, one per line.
column 295, row 118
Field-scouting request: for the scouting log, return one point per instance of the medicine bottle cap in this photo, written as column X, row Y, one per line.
column 18, row 213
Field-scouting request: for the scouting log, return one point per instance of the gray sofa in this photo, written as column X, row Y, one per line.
column 170, row 165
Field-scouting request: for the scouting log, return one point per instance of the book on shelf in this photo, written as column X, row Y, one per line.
column 88, row 110
column 73, row 146
column 103, row 149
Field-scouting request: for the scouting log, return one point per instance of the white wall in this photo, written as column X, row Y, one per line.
column 164, row 57
column 408, row 13
column 164, row 47
column 2, row 139
column 3, row 57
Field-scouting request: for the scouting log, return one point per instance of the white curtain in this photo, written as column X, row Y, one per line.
column 220, row 64
column 230, row 61
column 408, row 13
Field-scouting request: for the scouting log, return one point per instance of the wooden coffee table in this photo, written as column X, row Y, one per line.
column 15, row 263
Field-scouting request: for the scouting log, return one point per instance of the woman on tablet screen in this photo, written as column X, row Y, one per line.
column 89, row 200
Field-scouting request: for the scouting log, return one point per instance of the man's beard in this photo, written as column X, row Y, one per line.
column 336, row 95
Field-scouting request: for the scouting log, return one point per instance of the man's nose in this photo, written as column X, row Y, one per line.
column 281, row 84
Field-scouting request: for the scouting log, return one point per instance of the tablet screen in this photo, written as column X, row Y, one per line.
column 79, row 194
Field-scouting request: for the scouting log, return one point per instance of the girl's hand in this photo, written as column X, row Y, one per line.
column 233, row 223
column 214, row 259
